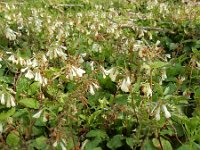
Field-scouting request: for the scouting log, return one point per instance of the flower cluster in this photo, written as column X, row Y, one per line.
column 7, row 99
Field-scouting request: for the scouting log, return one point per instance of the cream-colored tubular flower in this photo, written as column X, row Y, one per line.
column 10, row 34
column 126, row 84
column 105, row 72
column 12, row 59
column 12, row 101
column 77, row 71
column 166, row 112
column 163, row 75
column 38, row 77
column 146, row 88
column 113, row 74
column 91, row 90
column 29, row 74
column 38, row 114
column 3, row 101
column 157, row 116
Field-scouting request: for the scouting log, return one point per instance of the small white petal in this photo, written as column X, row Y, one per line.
column 3, row 102
column 44, row 119
column 124, row 86
column 29, row 74
column 44, row 81
column 113, row 74
column 55, row 144
column 35, row 63
column 28, row 62
column 8, row 103
column 157, row 116
column 12, row 101
column 80, row 72
column 24, row 69
column 37, row 115
column 62, row 146
column 166, row 112
column 38, row 77
column 91, row 90
column 12, row 58
column 95, row 85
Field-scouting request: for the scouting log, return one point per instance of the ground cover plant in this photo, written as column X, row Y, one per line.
column 98, row 74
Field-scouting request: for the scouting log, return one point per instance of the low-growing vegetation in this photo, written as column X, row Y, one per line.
column 98, row 74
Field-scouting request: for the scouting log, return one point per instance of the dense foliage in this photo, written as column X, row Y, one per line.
column 99, row 74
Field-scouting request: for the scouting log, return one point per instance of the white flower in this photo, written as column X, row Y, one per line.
column 29, row 74
column 34, row 63
column 21, row 61
column 44, row 119
column 38, row 114
column 10, row 34
column 56, row 50
column 44, row 81
column 157, row 116
column 92, row 65
column 166, row 112
column 95, row 85
column 12, row 101
column 163, row 75
column 55, row 144
column 12, row 59
column 8, row 103
column 28, row 62
column 24, row 69
column 44, row 59
column 38, row 77
column 77, row 71
column 126, row 84
column 92, row 90
column 80, row 72
column 61, row 53
column 62, row 146
column 3, row 102
column 147, row 90
column 113, row 74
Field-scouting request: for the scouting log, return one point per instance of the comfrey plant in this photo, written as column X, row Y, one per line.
column 99, row 75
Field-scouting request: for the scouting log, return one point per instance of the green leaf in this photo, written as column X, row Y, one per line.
column 130, row 142
column 121, row 99
column 41, row 143
column 97, row 133
column 91, row 145
column 13, row 139
column 30, row 103
column 5, row 114
column 184, row 147
column 148, row 145
column 6, row 79
column 165, row 144
column 20, row 112
column 158, row 64
column 34, row 88
column 115, row 142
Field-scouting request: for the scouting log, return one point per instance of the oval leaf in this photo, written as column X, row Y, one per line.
column 30, row 103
